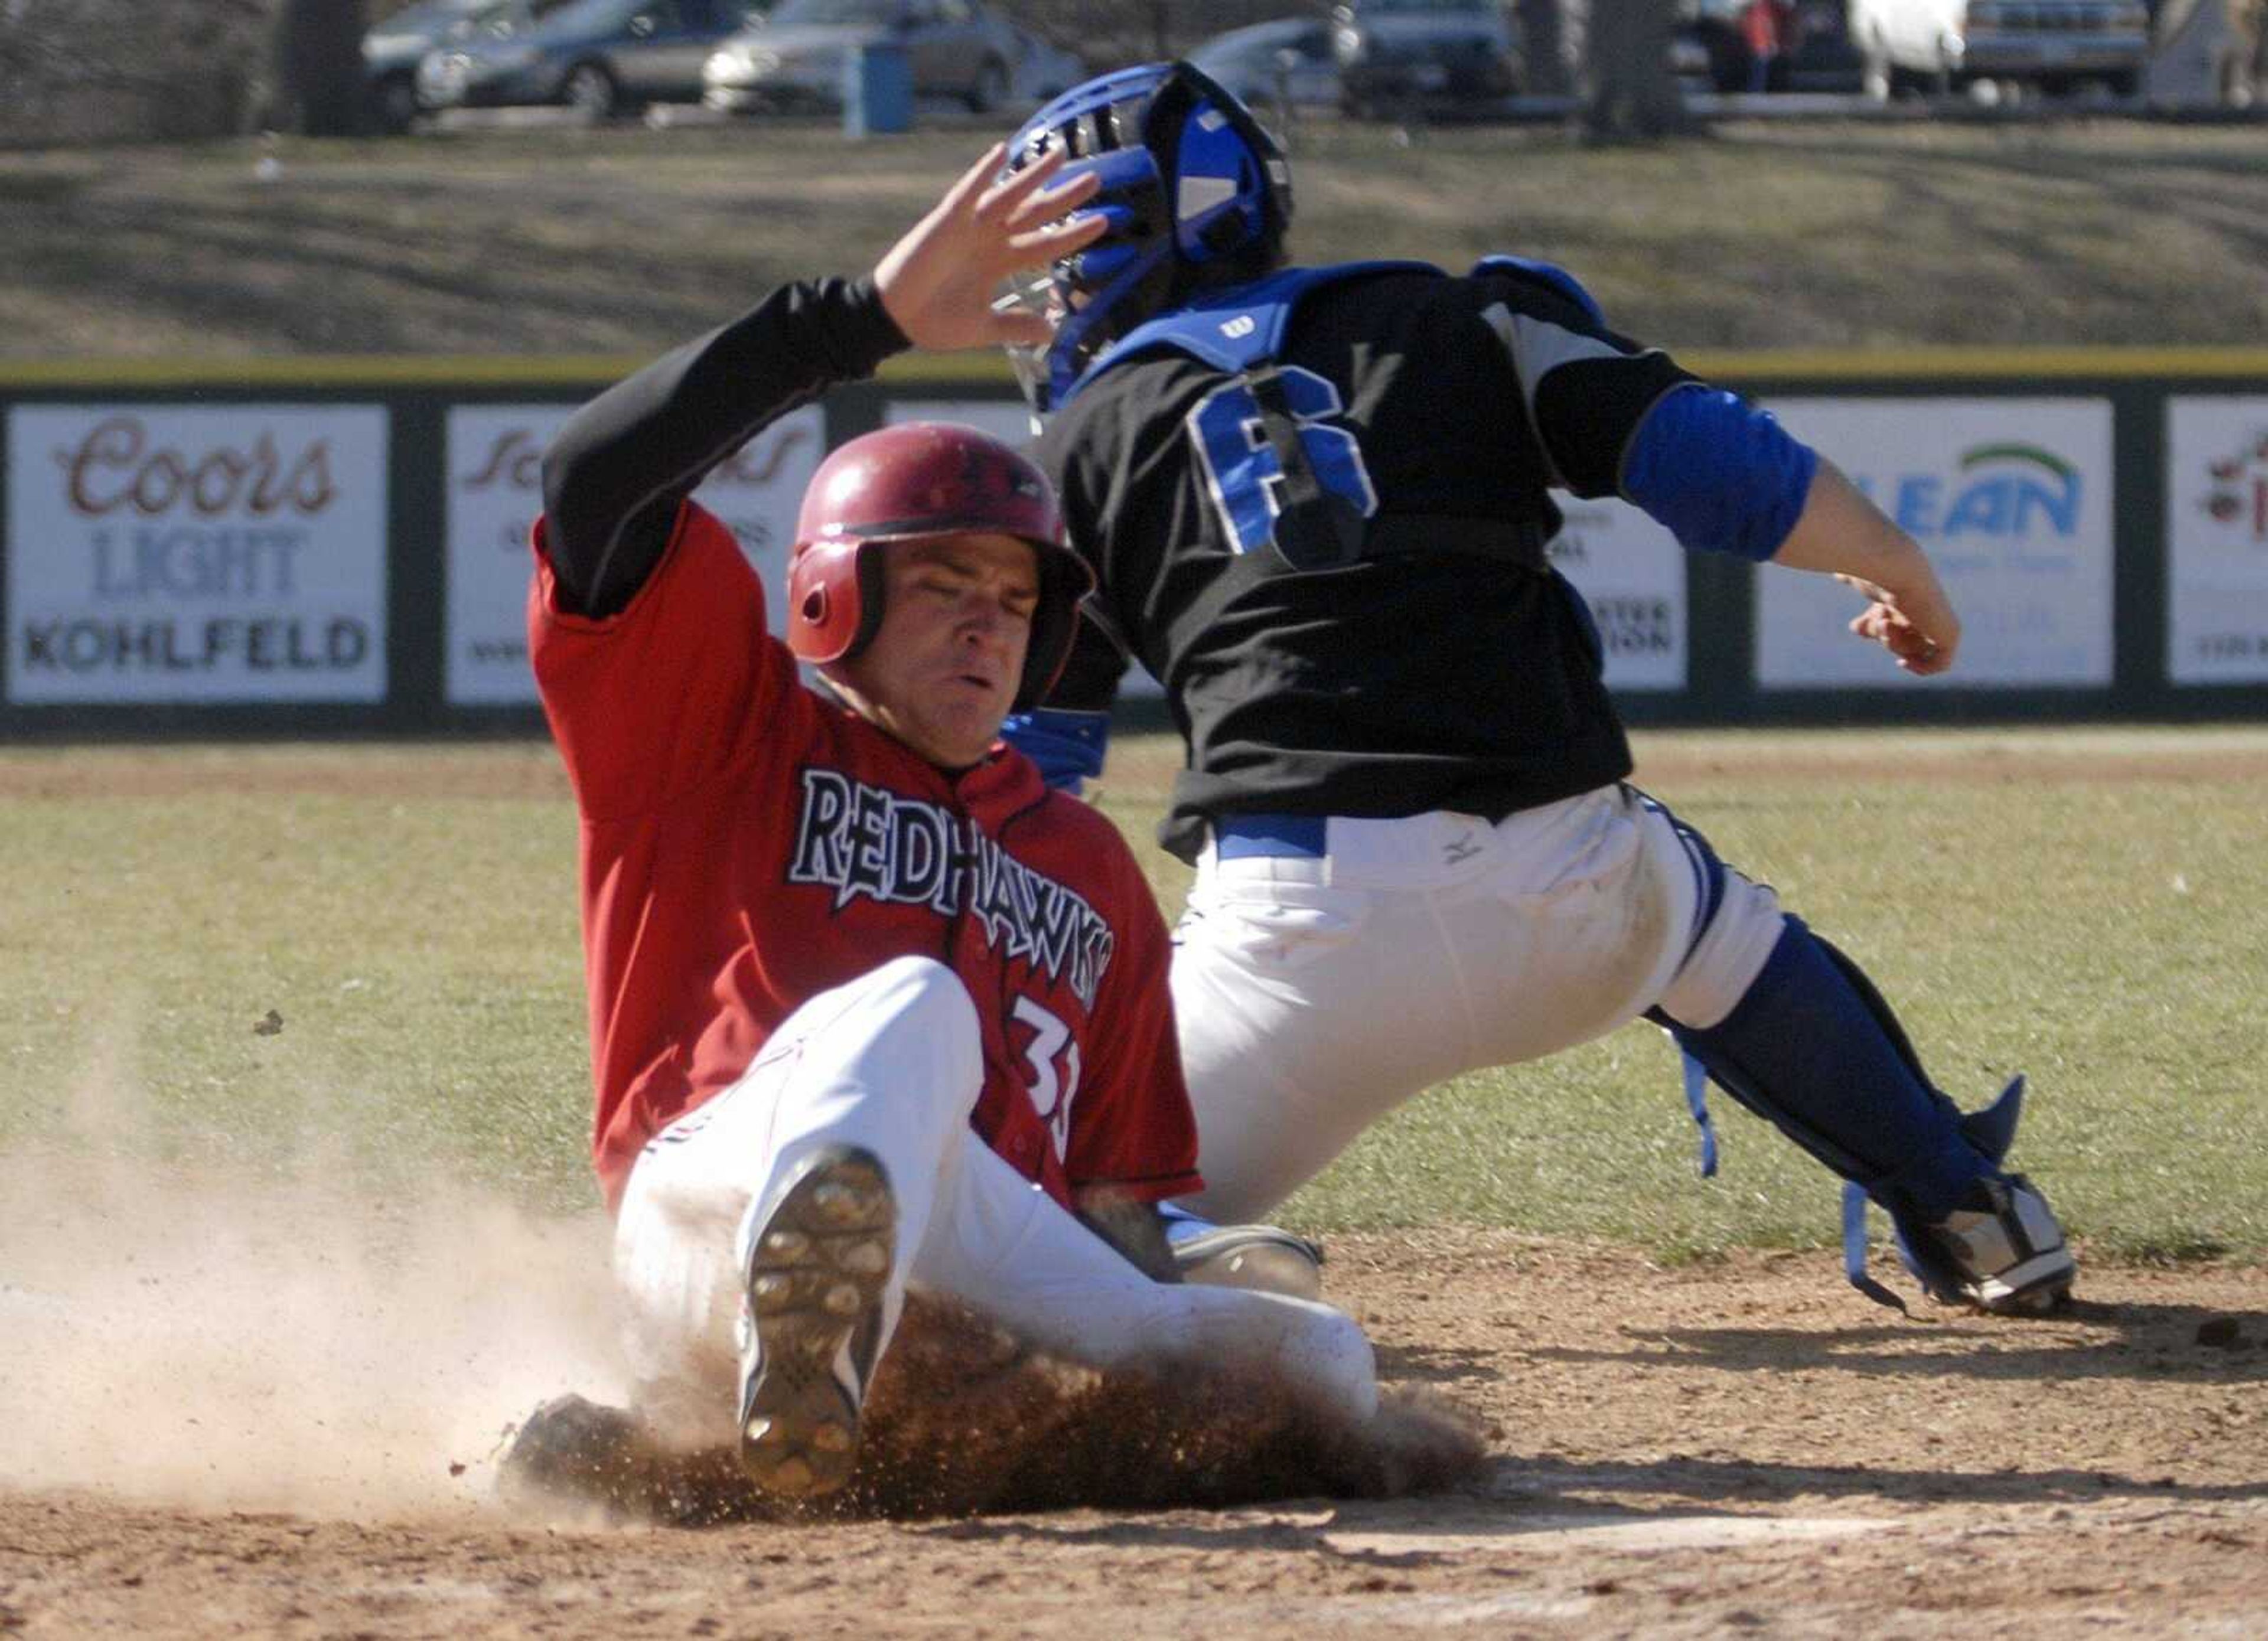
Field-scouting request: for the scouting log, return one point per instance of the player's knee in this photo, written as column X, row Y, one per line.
column 921, row 996
column 1727, row 958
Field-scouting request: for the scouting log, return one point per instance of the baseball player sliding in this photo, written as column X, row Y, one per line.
column 869, row 1005
column 1316, row 501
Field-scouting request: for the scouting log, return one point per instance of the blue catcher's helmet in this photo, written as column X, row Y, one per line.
column 1196, row 191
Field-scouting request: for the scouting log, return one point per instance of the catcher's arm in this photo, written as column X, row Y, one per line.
column 1839, row 530
column 1134, row 1228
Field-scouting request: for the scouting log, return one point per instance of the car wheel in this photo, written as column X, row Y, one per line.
column 393, row 104
column 589, row 90
column 991, row 87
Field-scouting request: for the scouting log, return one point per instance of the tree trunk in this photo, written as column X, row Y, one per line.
column 316, row 47
column 1634, row 96
column 1542, row 42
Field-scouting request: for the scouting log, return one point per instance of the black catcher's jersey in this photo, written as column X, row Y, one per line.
column 1378, row 635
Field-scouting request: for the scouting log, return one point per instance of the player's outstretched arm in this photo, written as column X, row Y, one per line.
column 938, row 281
column 1843, row 534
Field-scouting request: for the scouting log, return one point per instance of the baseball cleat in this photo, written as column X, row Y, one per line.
column 1264, row 1258
column 2005, row 1249
column 818, row 1264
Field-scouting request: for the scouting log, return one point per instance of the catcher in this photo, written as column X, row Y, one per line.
column 1317, row 501
column 869, row 1005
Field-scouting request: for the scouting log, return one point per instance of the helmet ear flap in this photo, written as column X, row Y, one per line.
column 835, row 603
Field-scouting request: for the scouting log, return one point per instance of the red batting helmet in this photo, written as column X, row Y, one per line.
column 914, row 482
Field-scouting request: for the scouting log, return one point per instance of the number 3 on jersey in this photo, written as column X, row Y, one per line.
column 1053, row 1056
column 1243, row 471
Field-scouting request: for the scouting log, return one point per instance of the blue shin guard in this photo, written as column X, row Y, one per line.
column 1813, row 1049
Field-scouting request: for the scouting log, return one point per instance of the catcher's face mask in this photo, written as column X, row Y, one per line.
column 1189, row 181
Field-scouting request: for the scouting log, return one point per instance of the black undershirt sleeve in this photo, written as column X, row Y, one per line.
column 1089, row 679
column 614, row 476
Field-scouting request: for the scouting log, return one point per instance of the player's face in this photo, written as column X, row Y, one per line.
column 944, row 669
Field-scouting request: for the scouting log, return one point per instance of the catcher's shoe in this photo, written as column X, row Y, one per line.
column 2002, row 1248
column 819, row 1252
column 1265, row 1258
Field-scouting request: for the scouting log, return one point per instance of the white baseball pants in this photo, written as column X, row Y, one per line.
column 1317, row 990
column 894, row 1062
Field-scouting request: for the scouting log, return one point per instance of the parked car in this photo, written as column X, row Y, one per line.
column 1823, row 58
column 393, row 47
column 598, row 56
column 2050, row 45
column 1427, row 56
column 794, row 58
column 1292, row 54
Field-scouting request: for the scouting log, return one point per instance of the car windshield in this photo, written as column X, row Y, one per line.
column 790, row 13
column 1463, row 8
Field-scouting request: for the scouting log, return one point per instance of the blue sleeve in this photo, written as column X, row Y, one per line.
column 1068, row 746
column 1721, row 475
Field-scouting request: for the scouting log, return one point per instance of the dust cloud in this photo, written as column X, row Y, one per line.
column 215, row 1331
column 221, row 1334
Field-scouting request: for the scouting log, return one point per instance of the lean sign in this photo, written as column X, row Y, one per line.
column 2011, row 500
column 167, row 553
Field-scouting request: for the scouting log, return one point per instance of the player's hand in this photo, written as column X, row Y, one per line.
column 938, row 281
column 1918, row 627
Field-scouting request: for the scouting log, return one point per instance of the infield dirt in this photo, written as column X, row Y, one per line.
column 1746, row 1446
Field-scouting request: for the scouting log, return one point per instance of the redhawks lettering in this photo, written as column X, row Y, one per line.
column 858, row 840
column 115, row 467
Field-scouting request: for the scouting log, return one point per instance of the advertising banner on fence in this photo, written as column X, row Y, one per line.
column 495, row 491
column 1631, row 572
column 2217, row 541
column 2010, row 497
column 165, row 554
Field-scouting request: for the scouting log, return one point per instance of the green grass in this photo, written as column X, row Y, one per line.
column 2082, row 906
column 421, row 952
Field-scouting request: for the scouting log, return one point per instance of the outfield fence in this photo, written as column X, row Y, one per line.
column 338, row 547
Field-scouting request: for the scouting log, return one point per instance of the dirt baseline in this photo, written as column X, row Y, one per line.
column 1746, row 1446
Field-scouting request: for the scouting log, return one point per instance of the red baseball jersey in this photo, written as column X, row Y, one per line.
column 747, row 844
